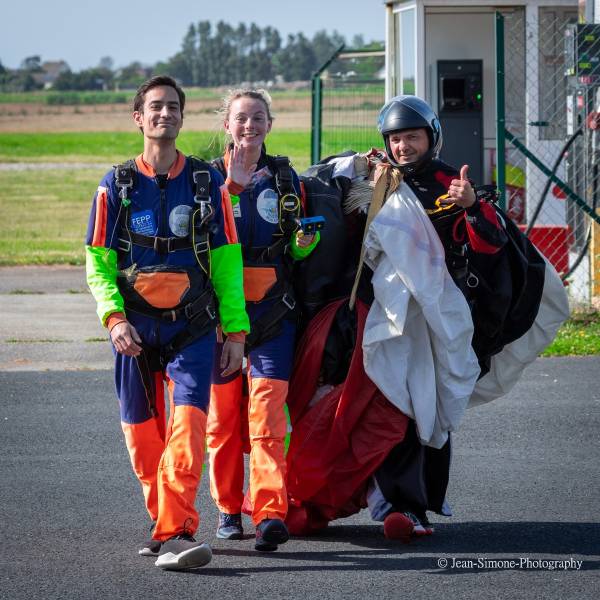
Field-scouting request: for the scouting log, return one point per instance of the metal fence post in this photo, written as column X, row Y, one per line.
column 500, row 114
column 316, row 113
column 317, row 106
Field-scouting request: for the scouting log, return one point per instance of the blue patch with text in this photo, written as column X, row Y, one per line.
column 143, row 222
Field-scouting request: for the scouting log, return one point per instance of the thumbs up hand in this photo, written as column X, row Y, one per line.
column 460, row 191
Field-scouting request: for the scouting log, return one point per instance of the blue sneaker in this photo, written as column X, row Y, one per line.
column 230, row 527
column 269, row 534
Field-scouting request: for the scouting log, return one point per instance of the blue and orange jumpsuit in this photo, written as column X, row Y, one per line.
column 166, row 457
column 269, row 366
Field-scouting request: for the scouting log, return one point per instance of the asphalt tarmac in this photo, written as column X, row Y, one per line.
column 524, row 488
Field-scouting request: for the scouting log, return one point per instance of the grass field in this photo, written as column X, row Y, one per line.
column 45, row 215
column 114, row 147
column 45, row 211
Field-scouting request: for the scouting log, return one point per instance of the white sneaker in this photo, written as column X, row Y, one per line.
column 183, row 552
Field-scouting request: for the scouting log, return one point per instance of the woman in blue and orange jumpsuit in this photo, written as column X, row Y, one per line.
column 257, row 207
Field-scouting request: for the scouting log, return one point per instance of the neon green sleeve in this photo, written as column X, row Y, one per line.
column 301, row 253
column 228, row 280
column 101, row 274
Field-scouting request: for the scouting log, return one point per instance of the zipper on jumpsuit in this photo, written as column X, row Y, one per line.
column 162, row 232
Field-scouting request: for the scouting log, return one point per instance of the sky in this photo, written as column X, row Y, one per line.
column 81, row 32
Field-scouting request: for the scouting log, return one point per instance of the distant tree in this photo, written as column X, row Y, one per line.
column 272, row 41
column 358, row 41
column 227, row 55
column 297, row 60
column 65, row 81
column 206, row 65
column 225, row 58
column 163, row 68
column 88, row 79
column 106, row 63
column 32, row 64
column 18, row 81
column 188, row 71
column 324, row 45
column 132, row 75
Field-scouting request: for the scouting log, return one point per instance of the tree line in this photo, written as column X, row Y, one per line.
column 209, row 56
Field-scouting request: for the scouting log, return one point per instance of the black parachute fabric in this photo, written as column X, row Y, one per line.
column 507, row 297
column 328, row 273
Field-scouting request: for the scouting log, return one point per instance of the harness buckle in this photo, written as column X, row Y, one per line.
column 201, row 246
column 288, row 301
column 158, row 245
column 124, row 245
column 459, row 250
column 201, row 179
column 187, row 311
column 210, row 312
column 472, row 280
column 205, row 208
column 124, row 181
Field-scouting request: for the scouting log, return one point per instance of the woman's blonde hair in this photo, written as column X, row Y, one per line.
column 232, row 95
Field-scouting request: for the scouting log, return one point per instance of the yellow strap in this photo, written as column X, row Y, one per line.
column 388, row 182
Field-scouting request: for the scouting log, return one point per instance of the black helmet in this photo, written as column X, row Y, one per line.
column 410, row 112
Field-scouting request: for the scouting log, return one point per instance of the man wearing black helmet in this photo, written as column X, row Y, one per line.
column 414, row 476
column 413, row 140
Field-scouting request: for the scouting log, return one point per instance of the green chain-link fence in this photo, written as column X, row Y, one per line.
column 348, row 92
column 551, row 183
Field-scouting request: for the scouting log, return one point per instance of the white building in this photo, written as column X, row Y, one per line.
column 423, row 36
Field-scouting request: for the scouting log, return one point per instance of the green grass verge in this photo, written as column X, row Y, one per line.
column 45, row 212
column 579, row 336
column 45, row 215
column 114, row 147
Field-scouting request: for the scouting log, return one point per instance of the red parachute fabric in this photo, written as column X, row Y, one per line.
column 337, row 443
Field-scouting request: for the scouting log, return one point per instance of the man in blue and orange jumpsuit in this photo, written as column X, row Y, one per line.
column 161, row 242
column 262, row 187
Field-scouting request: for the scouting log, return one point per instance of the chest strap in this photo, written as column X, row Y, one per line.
column 200, row 225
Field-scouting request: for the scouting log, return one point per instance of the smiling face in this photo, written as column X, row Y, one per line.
column 248, row 122
column 160, row 117
column 408, row 145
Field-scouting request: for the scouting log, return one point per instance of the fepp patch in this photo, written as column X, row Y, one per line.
column 143, row 222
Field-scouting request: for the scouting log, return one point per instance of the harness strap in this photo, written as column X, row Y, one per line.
column 198, row 326
column 144, row 364
column 203, row 303
column 389, row 180
column 162, row 245
column 266, row 326
column 152, row 359
column 266, row 253
column 284, row 180
column 199, row 225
